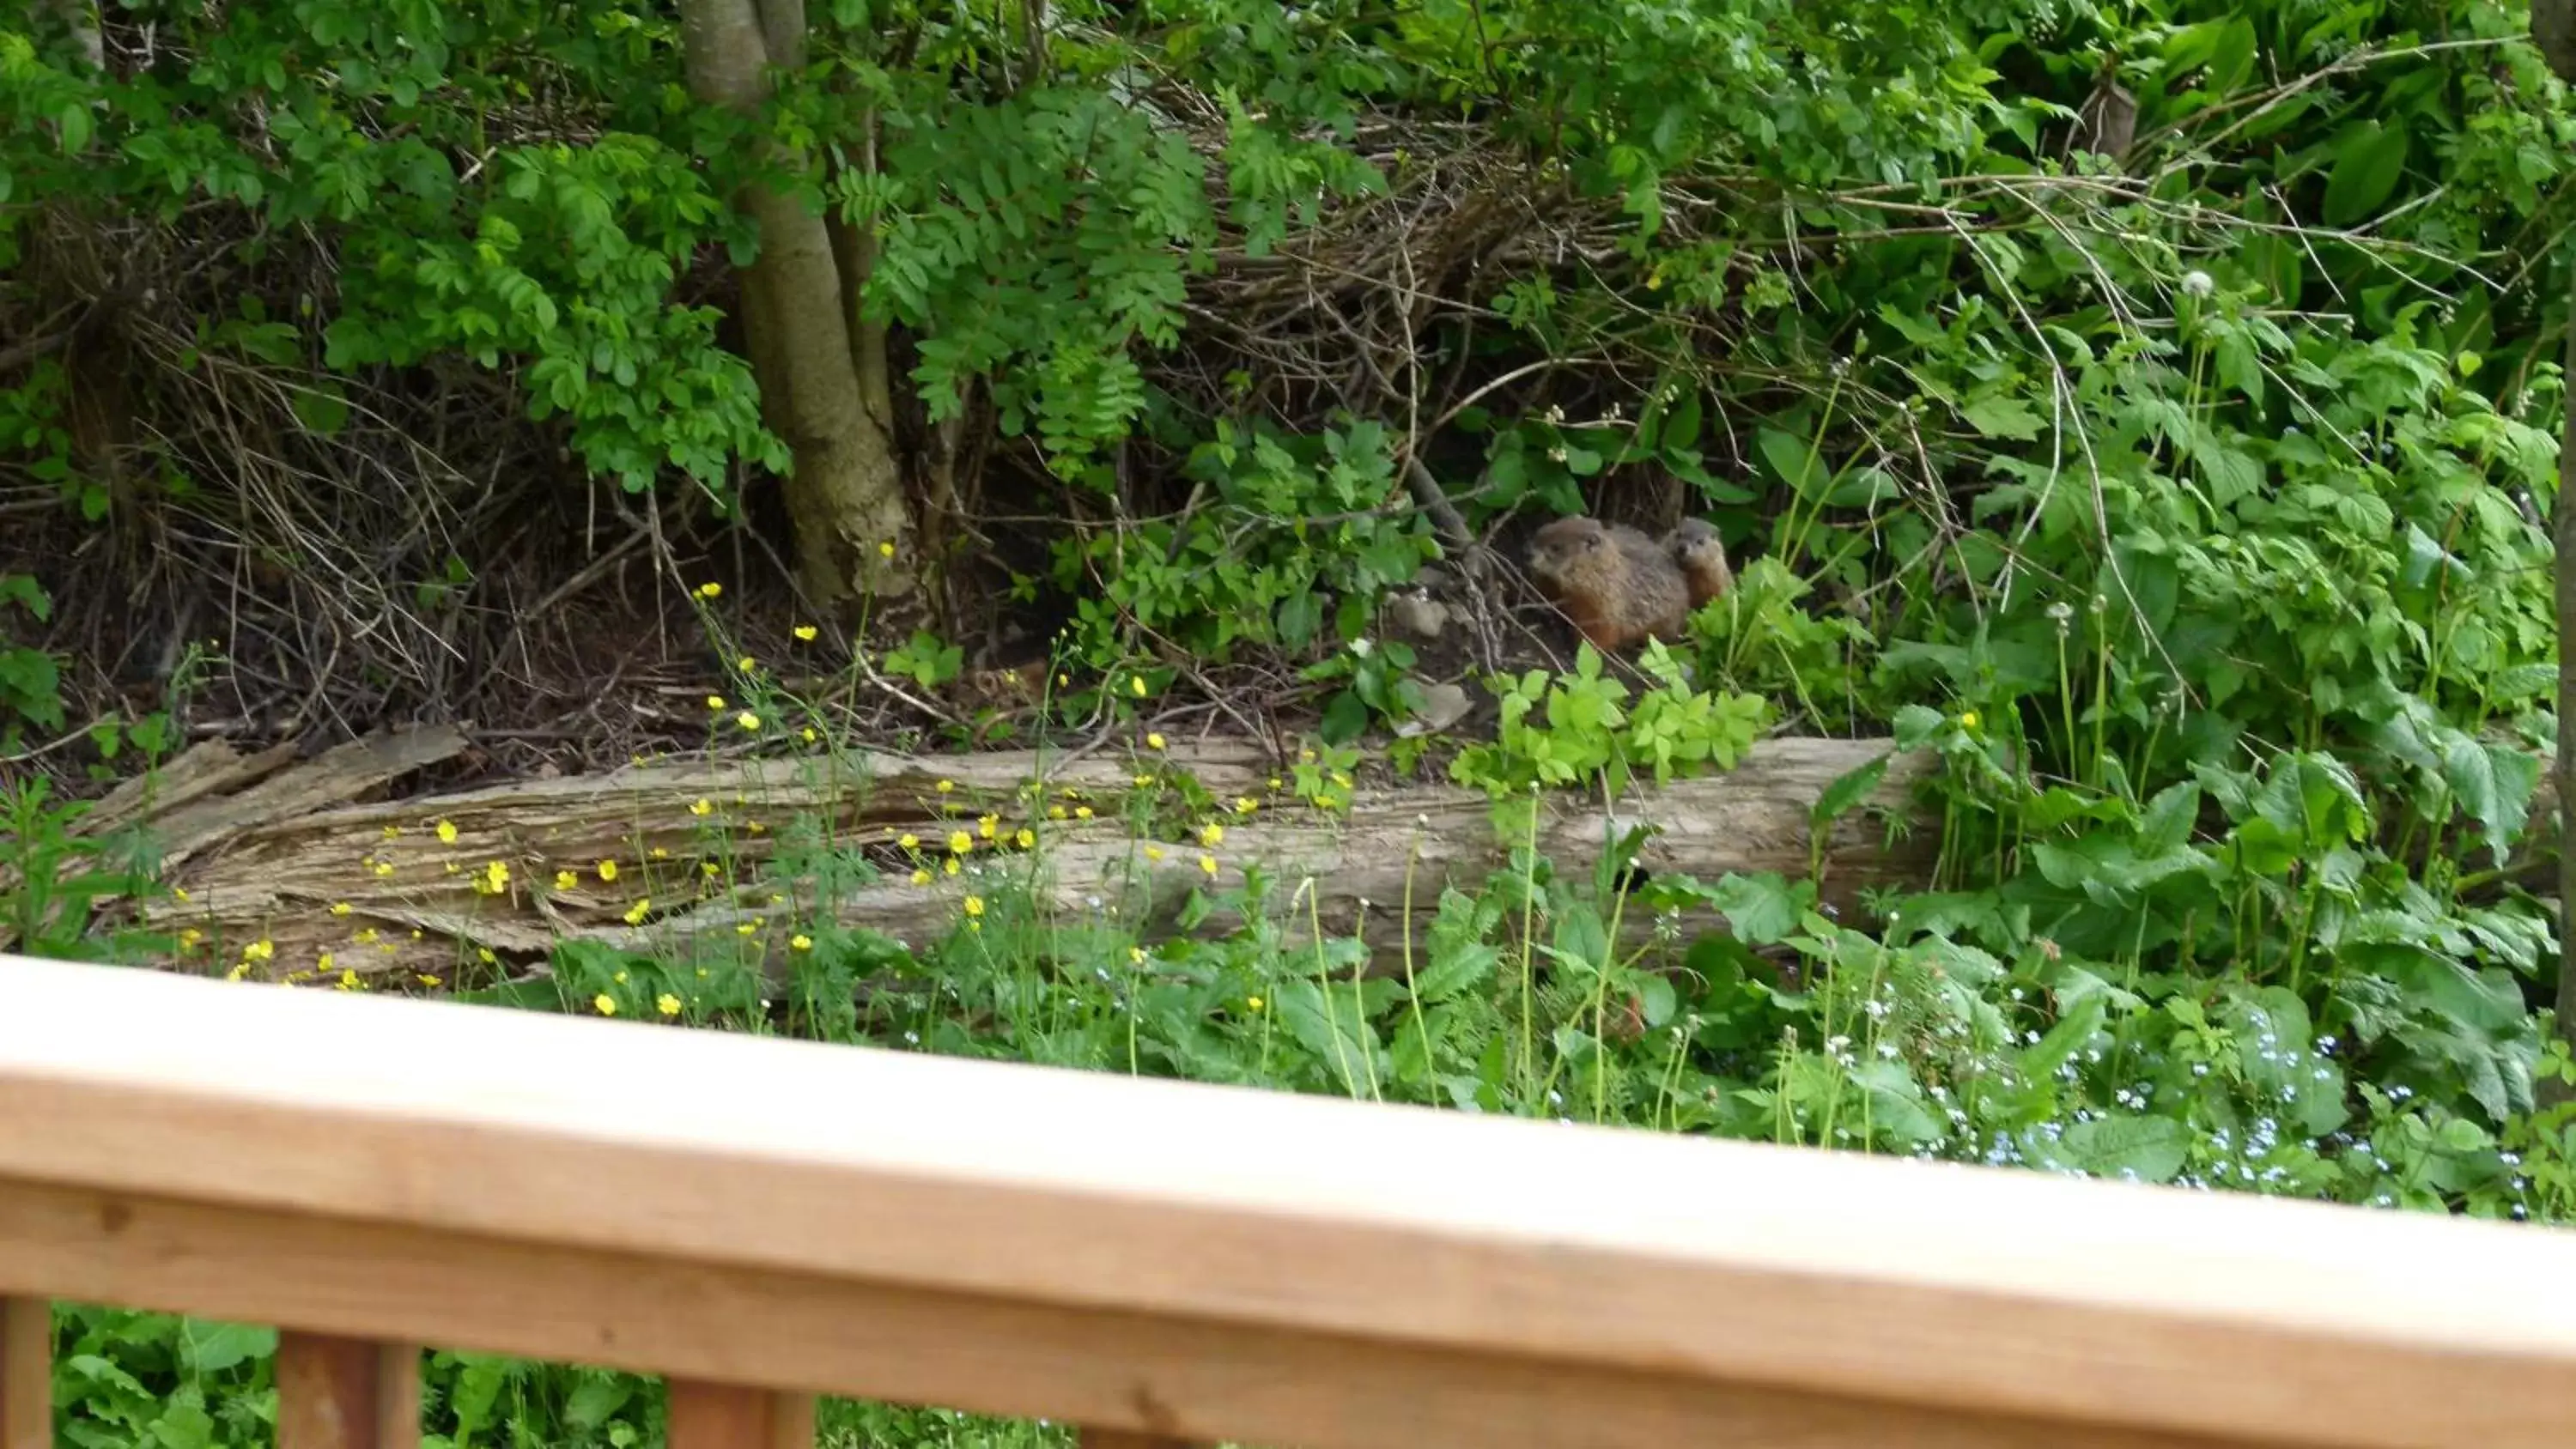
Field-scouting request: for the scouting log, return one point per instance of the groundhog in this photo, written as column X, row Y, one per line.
column 1617, row 586
column 1695, row 546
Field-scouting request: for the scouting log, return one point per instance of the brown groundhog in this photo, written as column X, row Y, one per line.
column 1695, row 546
column 1617, row 586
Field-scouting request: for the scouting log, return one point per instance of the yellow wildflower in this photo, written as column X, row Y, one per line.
column 747, row 928
column 1144, row 782
column 885, row 550
column 604, row 1004
column 1968, row 720
column 481, row 953
column 322, row 962
column 804, row 633
column 944, row 786
column 800, row 942
column 366, row 937
column 339, row 908
column 715, row 701
column 393, row 832
column 974, row 905
column 986, row 826
column 1154, row 741
column 565, row 880
column 1081, row 812
column 747, row 720
column 921, row 877
column 1253, row 1002
column 384, row 867
column 190, row 937
column 240, row 970
column 959, row 842
column 1027, row 838
column 952, row 865
column 1153, row 852
column 446, row 832
column 908, row 840
column 1244, row 805
column 701, row 806
column 746, row 664
column 1211, row 835
column 348, row 979
column 428, row 980
column 807, row 734
column 635, row 913
column 710, row 589
column 667, row 1004
column 259, row 950
column 1136, row 685
column 608, row 870
column 1208, row 863
column 1055, row 812
column 1136, row 954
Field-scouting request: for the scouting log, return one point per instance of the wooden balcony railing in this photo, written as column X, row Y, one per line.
column 766, row 1220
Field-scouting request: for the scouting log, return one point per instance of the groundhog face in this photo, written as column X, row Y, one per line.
column 1561, row 545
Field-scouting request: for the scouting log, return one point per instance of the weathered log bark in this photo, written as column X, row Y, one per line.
column 418, row 902
column 845, row 491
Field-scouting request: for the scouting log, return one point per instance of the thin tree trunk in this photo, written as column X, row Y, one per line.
column 845, row 493
column 2553, row 30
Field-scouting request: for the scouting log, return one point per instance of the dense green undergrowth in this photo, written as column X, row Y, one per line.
column 2188, row 509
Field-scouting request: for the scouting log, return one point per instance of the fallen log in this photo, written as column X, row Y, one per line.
column 735, row 858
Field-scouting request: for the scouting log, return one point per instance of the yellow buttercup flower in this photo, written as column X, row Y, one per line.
column 1154, row 741
column 446, row 832
column 667, row 1004
column 959, row 842
column 974, row 905
column 800, row 942
column 804, row 633
column 608, row 870
column 701, row 806
column 604, row 1004
column 710, row 589
column 1208, row 863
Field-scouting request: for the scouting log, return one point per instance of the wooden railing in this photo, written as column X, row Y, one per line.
column 765, row 1220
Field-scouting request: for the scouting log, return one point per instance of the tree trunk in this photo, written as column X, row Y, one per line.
column 845, row 491
column 2553, row 29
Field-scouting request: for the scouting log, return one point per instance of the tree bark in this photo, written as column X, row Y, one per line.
column 845, row 492
column 2553, row 30
column 255, row 869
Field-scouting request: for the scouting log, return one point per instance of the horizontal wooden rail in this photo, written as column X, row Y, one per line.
column 1188, row 1262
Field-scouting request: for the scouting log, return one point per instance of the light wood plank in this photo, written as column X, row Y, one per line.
column 26, row 1373
column 1528, row 1274
column 1129, row 1439
column 707, row 1415
column 346, row 1393
column 1203, row 1380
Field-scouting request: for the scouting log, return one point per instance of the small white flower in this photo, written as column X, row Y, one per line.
column 2197, row 283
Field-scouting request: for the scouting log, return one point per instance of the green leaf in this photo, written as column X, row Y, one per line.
column 2148, row 1149
column 1998, row 416
column 2367, row 168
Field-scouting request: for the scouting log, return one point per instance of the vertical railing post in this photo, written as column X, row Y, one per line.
column 26, row 1373
column 346, row 1393
column 727, row 1416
